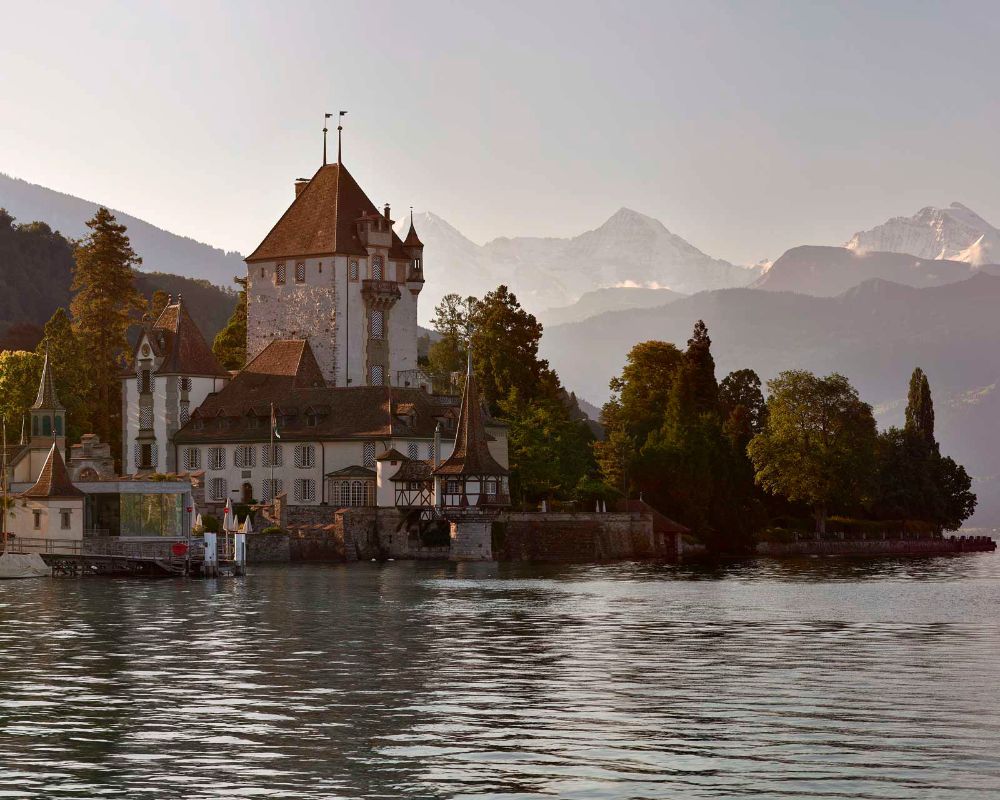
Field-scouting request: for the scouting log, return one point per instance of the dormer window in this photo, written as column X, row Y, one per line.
column 300, row 272
column 279, row 274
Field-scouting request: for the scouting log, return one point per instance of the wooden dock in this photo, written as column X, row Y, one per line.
column 150, row 557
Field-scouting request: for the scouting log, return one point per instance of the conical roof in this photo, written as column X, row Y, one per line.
column 471, row 455
column 53, row 481
column 412, row 240
column 47, row 397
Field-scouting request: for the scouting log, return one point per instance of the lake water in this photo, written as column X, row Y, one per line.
column 814, row 679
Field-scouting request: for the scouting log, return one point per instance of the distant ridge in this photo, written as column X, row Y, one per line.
column 161, row 250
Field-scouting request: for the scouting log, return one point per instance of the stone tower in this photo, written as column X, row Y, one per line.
column 333, row 271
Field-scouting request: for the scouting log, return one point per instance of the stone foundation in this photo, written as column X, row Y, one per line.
column 471, row 541
column 581, row 537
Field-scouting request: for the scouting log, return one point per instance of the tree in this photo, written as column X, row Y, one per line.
column 914, row 480
column 700, row 364
column 742, row 389
column 643, row 388
column 20, row 373
column 105, row 303
column 505, row 341
column 452, row 317
column 920, row 410
column 819, row 443
column 230, row 345
column 71, row 371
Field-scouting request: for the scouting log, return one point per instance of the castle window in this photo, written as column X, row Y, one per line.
column 376, row 375
column 246, row 456
column 411, row 451
column 145, row 381
column 59, row 425
column 416, row 265
column 145, row 418
column 65, row 519
column 217, row 458
column 430, row 451
column 300, row 272
column 186, row 384
column 46, row 426
column 305, row 456
column 377, row 323
column 218, row 489
column 272, row 456
column 279, row 274
column 37, row 515
column 353, row 270
column 145, row 456
column 305, row 490
column 192, row 458
column 262, row 272
column 270, row 489
column 185, row 412
column 377, row 269
column 368, row 455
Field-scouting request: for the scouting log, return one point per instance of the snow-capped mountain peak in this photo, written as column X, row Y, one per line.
column 956, row 233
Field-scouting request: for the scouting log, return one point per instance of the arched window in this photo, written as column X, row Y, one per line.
column 345, row 493
column 59, row 425
column 357, row 493
column 46, row 426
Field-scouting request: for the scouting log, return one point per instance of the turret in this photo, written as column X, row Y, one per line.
column 414, row 249
column 48, row 415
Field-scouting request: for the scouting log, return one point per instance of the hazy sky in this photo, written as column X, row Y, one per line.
column 747, row 128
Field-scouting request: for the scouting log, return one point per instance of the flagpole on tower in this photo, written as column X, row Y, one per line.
column 325, row 118
column 340, row 128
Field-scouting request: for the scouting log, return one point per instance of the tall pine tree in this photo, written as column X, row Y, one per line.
column 105, row 303
column 920, row 410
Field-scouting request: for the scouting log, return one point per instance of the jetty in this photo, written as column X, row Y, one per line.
column 210, row 555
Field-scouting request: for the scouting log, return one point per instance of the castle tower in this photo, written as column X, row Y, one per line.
column 333, row 271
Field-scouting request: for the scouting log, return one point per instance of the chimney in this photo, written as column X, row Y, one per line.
column 437, row 445
column 300, row 184
column 387, row 212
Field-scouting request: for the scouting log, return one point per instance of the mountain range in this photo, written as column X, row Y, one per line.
column 629, row 250
column 161, row 250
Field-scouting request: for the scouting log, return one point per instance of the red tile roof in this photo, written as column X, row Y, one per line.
column 176, row 339
column 285, row 374
column 321, row 221
column 53, row 481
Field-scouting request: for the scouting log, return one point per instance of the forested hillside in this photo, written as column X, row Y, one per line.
column 36, row 265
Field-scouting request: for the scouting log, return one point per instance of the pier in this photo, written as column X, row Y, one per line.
column 212, row 556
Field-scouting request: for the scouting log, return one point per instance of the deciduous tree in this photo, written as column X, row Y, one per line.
column 819, row 443
column 230, row 345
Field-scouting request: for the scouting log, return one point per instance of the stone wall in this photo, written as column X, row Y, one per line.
column 877, row 547
column 267, row 548
column 580, row 537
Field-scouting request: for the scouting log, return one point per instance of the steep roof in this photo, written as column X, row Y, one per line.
column 292, row 359
column 176, row 338
column 471, row 455
column 412, row 240
column 286, row 375
column 53, row 481
column 47, row 397
column 321, row 220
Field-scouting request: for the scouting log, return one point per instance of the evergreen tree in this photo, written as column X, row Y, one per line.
column 920, row 410
column 699, row 362
column 20, row 373
column 230, row 345
column 71, row 371
column 505, row 339
column 105, row 303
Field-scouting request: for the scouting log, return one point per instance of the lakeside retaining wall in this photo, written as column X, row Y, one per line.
column 580, row 537
column 878, row 547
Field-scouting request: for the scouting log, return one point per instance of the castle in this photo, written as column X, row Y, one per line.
column 331, row 405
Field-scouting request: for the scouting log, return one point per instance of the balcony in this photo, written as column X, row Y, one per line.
column 380, row 294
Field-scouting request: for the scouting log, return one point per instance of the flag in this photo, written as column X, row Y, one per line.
column 342, row 113
column 328, row 116
column 274, row 422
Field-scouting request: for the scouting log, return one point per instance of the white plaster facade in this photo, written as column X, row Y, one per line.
column 55, row 518
column 321, row 301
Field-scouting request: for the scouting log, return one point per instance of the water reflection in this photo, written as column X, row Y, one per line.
column 815, row 678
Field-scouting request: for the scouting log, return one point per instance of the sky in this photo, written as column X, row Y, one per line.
column 746, row 128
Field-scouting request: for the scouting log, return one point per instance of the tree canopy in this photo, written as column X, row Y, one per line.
column 230, row 345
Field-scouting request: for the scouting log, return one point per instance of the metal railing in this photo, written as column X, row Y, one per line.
column 109, row 546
